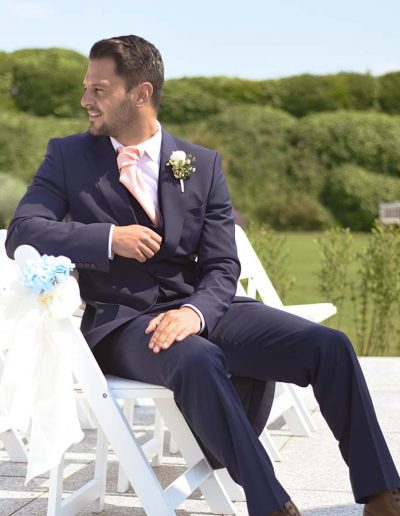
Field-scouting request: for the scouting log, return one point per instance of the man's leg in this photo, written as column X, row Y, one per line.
column 265, row 343
column 196, row 371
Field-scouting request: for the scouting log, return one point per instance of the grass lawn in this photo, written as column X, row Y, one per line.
column 304, row 264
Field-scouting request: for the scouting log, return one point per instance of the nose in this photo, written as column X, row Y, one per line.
column 86, row 100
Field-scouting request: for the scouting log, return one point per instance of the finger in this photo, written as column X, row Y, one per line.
column 170, row 338
column 154, row 323
column 152, row 244
column 154, row 236
column 183, row 334
column 140, row 257
column 147, row 251
column 162, row 337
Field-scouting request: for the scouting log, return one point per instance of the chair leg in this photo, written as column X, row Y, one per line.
column 173, row 447
column 269, row 446
column 100, row 472
column 128, row 410
column 14, row 445
column 55, row 489
column 159, row 430
column 212, row 489
column 85, row 414
column 302, row 409
column 234, row 490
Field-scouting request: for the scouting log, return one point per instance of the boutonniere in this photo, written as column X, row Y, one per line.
column 182, row 166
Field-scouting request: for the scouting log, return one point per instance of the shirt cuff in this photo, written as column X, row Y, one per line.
column 203, row 323
column 110, row 252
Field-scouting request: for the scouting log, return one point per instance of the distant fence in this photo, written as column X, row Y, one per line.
column 389, row 212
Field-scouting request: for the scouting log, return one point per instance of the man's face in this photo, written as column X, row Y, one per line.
column 110, row 107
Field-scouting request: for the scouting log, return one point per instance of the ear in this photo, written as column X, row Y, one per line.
column 144, row 93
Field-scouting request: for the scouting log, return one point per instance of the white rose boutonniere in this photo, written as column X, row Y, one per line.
column 182, row 166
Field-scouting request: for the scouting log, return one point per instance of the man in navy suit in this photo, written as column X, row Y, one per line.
column 160, row 290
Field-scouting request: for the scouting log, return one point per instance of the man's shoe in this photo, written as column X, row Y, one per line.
column 289, row 509
column 386, row 503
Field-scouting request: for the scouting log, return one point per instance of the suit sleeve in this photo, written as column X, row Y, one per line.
column 218, row 263
column 39, row 219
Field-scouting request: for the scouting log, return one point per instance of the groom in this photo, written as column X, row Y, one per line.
column 153, row 239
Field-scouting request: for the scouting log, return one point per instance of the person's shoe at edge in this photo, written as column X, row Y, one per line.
column 386, row 503
column 288, row 509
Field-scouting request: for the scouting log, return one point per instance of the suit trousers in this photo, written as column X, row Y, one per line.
column 260, row 342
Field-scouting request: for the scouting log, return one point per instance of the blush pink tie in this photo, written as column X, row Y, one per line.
column 132, row 179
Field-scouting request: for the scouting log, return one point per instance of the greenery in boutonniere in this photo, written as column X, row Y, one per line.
column 182, row 166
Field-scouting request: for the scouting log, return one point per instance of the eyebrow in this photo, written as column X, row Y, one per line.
column 102, row 83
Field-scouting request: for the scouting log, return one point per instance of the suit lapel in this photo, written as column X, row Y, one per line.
column 172, row 200
column 106, row 173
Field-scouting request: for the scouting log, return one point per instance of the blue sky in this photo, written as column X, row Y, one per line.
column 249, row 38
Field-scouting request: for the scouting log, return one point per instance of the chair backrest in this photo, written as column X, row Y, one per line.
column 253, row 278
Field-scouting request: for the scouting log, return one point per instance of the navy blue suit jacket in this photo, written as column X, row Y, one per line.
column 76, row 195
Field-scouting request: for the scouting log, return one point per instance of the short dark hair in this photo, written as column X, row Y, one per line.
column 136, row 60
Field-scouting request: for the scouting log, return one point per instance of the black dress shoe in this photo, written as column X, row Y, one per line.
column 289, row 509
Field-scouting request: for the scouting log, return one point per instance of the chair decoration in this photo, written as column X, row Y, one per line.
column 36, row 387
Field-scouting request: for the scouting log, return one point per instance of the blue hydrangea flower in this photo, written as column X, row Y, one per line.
column 43, row 276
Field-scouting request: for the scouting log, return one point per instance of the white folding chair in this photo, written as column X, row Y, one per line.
column 103, row 394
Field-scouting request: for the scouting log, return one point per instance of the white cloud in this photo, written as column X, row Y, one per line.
column 27, row 10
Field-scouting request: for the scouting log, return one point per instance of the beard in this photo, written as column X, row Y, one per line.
column 116, row 122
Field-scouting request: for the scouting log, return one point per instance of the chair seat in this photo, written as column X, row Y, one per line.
column 315, row 312
column 123, row 388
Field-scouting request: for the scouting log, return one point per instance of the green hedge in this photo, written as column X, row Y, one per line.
column 197, row 98
column 6, row 100
column 255, row 142
column 48, row 81
column 390, row 92
column 324, row 141
column 23, row 140
column 304, row 94
column 353, row 195
column 11, row 191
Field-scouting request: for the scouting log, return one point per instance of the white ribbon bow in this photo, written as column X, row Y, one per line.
column 36, row 387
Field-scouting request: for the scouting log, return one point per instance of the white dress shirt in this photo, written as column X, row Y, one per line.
column 149, row 166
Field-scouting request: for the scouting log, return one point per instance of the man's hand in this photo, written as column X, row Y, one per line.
column 172, row 326
column 135, row 241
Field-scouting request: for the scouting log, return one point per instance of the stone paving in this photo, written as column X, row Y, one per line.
column 312, row 470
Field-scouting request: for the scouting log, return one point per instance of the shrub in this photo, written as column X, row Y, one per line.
column 184, row 100
column 271, row 249
column 390, row 92
column 23, row 140
column 376, row 294
column 354, row 91
column 336, row 251
column 353, row 195
column 375, row 290
column 254, row 144
column 6, row 100
column 197, row 98
column 12, row 189
column 304, row 94
column 324, row 141
column 48, row 81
